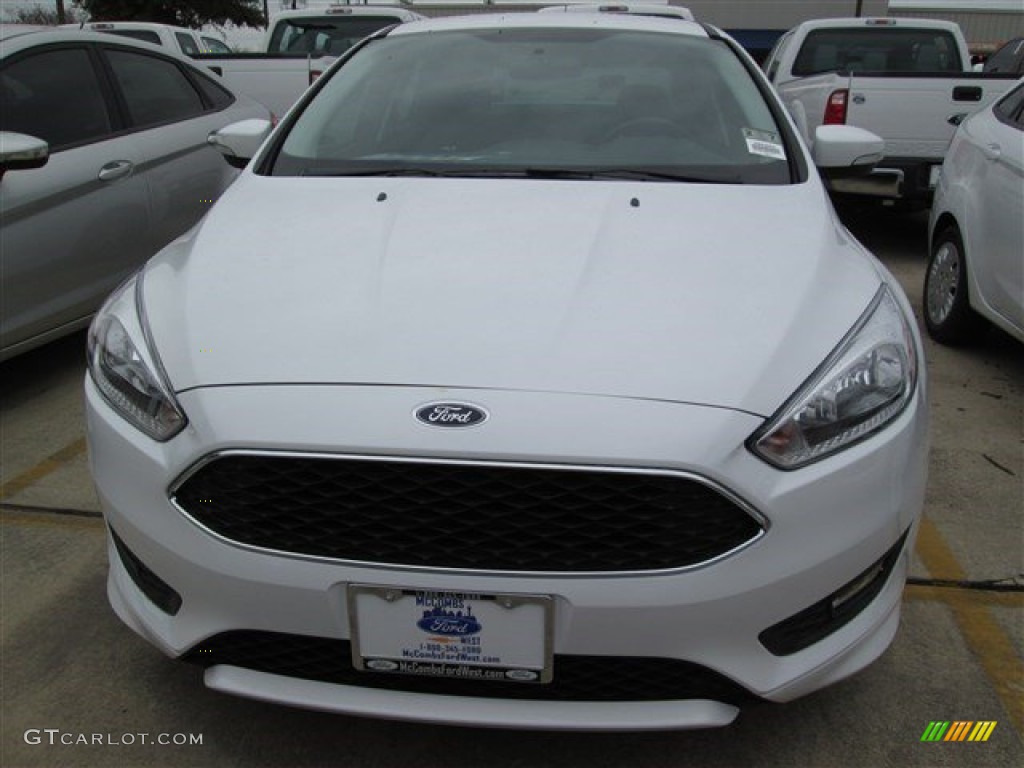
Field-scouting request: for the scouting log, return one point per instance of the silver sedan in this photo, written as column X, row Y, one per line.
column 103, row 160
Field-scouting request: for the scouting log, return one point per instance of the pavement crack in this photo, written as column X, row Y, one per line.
column 67, row 511
column 1007, row 584
column 998, row 466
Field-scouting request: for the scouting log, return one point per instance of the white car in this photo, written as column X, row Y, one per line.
column 976, row 273
column 526, row 378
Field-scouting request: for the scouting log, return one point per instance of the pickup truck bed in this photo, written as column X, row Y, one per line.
column 275, row 80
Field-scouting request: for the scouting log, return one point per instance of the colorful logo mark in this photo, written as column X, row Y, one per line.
column 959, row 730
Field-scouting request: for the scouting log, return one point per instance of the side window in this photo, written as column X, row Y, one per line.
column 55, row 96
column 1006, row 58
column 187, row 44
column 772, row 65
column 154, row 89
column 213, row 45
column 217, row 96
column 1009, row 108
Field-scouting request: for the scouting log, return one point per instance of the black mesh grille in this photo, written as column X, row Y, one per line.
column 576, row 678
column 480, row 517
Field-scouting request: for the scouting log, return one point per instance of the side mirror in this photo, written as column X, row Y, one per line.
column 240, row 141
column 846, row 150
column 19, row 152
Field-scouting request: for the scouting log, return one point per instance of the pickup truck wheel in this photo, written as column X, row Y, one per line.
column 947, row 310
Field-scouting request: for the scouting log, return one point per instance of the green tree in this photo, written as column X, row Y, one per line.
column 40, row 15
column 181, row 13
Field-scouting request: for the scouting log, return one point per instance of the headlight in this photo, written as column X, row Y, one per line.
column 125, row 369
column 862, row 386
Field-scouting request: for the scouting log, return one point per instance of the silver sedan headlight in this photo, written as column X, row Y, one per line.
column 862, row 386
column 125, row 368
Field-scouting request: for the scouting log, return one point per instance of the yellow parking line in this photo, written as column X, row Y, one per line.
column 50, row 520
column 51, row 463
column 922, row 593
column 986, row 639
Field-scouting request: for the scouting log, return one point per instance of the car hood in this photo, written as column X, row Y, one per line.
column 722, row 295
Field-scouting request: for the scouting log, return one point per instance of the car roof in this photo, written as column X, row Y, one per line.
column 7, row 31
column 46, row 35
column 103, row 26
column 639, row 9
column 880, row 22
column 50, row 35
column 341, row 11
column 553, row 21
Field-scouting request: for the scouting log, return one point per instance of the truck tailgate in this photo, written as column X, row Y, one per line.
column 918, row 115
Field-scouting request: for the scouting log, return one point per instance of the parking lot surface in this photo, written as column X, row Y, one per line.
column 79, row 688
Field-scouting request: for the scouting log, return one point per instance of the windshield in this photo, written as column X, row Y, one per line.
column 541, row 102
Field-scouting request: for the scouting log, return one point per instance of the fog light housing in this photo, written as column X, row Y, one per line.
column 161, row 594
column 838, row 609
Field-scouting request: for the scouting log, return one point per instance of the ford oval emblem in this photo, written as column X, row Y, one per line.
column 440, row 621
column 382, row 665
column 521, row 675
column 451, row 415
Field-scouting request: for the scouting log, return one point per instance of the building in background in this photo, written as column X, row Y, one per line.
column 986, row 24
column 755, row 23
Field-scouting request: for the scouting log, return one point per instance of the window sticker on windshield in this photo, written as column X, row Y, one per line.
column 764, row 143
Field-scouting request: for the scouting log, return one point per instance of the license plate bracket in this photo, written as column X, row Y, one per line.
column 463, row 635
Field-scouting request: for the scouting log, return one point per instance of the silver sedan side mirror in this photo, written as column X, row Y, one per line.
column 240, row 141
column 20, row 152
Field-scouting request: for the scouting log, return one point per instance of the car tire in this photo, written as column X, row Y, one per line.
column 947, row 308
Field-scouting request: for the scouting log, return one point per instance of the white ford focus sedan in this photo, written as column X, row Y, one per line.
column 525, row 378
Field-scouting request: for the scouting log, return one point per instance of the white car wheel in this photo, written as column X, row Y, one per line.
column 947, row 310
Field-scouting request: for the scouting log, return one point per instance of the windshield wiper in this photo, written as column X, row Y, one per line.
column 402, row 171
column 588, row 174
column 451, row 172
column 628, row 174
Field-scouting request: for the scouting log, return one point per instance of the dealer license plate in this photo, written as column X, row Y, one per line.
column 451, row 634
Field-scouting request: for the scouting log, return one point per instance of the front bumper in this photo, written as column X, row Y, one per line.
column 826, row 524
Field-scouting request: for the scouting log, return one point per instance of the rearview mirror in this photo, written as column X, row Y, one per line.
column 240, row 141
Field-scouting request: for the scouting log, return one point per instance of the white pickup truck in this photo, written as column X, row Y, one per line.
column 331, row 30
column 276, row 81
column 300, row 46
column 906, row 80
